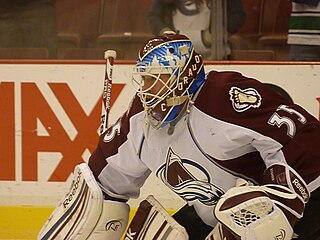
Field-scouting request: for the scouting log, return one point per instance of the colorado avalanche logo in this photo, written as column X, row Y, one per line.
column 188, row 179
column 242, row 100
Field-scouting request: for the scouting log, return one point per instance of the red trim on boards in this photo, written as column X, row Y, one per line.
column 131, row 62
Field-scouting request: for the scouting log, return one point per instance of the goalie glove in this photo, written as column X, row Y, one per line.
column 249, row 213
column 152, row 221
column 263, row 212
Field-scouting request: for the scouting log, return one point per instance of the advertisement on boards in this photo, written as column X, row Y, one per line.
column 50, row 117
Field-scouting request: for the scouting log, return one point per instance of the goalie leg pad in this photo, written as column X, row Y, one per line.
column 113, row 221
column 78, row 211
column 249, row 213
column 152, row 221
column 82, row 213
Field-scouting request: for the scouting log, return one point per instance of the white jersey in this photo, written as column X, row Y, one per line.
column 236, row 128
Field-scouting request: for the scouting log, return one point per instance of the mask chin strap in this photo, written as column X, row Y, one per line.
column 172, row 124
column 179, row 100
column 173, row 101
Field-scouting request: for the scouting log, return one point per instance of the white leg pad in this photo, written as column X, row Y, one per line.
column 113, row 221
column 82, row 213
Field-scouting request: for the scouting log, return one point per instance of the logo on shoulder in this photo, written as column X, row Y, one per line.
column 243, row 99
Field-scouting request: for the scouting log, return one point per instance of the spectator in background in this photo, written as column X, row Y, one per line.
column 28, row 23
column 192, row 18
column 304, row 31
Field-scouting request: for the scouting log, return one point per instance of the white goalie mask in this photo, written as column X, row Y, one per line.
column 167, row 74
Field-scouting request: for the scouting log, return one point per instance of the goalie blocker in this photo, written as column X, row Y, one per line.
column 83, row 214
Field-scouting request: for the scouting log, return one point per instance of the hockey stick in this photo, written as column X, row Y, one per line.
column 79, row 210
column 109, row 56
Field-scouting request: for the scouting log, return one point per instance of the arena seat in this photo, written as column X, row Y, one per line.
column 83, row 53
column 128, row 43
column 252, row 55
column 124, row 27
column 24, row 53
column 265, row 28
column 78, row 22
column 252, row 8
column 119, row 16
column 67, row 40
column 276, row 43
column 246, row 37
column 274, row 28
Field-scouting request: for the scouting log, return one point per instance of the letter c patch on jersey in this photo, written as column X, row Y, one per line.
column 244, row 99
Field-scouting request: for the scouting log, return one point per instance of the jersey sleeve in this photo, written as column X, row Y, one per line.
column 115, row 162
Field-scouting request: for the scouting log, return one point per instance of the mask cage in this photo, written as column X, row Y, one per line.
column 151, row 99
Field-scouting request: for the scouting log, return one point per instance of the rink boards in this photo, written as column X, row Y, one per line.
column 50, row 115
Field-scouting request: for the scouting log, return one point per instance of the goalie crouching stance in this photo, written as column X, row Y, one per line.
column 199, row 133
column 244, row 212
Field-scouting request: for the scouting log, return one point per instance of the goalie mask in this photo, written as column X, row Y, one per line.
column 167, row 74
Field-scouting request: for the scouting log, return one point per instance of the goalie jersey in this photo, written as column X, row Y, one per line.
column 235, row 128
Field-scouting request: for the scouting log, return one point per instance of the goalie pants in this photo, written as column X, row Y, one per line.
column 308, row 228
column 195, row 227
